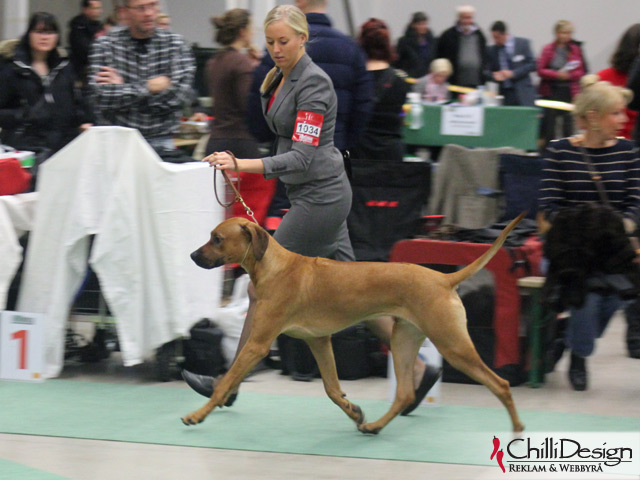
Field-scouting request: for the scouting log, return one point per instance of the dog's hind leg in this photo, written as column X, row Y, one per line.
column 464, row 357
column 405, row 344
column 323, row 353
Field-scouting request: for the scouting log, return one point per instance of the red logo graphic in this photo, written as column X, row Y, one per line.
column 497, row 454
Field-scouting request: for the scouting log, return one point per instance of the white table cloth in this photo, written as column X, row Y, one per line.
column 16, row 218
column 147, row 217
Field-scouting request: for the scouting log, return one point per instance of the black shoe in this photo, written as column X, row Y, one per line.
column 633, row 346
column 578, row 373
column 429, row 379
column 553, row 355
column 203, row 384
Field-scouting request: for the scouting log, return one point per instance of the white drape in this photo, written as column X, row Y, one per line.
column 16, row 218
column 147, row 217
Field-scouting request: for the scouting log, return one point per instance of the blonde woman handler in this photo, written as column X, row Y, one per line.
column 300, row 106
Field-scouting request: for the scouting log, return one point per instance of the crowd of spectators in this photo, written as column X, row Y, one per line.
column 103, row 51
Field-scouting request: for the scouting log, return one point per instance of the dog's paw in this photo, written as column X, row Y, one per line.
column 358, row 414
column 191, row 419
column 367, row 429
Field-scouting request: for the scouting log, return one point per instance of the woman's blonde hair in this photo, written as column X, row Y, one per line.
column 563, row 25
column 293, row 17
column 441, row 65
column 598, row 96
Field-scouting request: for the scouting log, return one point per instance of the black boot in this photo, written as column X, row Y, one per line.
column 203, row 384
column 632, row 312
column 429, row 379
column 578, row 373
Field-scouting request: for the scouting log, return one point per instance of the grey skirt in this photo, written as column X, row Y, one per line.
column 316, row 223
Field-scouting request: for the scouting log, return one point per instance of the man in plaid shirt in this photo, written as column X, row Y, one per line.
column 141, row 76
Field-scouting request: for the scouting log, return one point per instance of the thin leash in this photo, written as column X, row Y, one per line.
column 236, row 191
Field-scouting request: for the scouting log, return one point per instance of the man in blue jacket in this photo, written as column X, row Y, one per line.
column 510, row 63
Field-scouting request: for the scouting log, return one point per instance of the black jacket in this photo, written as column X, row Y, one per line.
column 448, row 45
column 410, row 58
column 587, row 247
column 36, row 112
column 82, row 32
column 633, row 83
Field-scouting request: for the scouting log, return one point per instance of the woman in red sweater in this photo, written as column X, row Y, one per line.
column 560, row 68
column 618, row 73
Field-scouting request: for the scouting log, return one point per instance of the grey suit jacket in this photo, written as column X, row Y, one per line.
column 522, row 63
column 308, row 88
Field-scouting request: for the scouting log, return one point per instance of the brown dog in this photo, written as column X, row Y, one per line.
column 311, row 298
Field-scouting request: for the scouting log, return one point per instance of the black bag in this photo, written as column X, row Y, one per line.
column 387, row 205
column 296, row 359
column 356, row 351
column 203, row 351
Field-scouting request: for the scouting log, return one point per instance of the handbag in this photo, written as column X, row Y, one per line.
column 612, row 282
column 597, row 179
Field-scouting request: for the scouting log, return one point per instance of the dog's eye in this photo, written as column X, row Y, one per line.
column 216, row 240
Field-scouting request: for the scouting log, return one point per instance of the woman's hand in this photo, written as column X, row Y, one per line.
column 224, row 161
column 220, row 160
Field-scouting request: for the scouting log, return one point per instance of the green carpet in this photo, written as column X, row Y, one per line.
column 268, row 423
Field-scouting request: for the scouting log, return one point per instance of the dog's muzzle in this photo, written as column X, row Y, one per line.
column 204, row 262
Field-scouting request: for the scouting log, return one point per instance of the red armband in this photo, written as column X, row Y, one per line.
column 308, row 128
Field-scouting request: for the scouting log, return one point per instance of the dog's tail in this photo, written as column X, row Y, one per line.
column 456, row 277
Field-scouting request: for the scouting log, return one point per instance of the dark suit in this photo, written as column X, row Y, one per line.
column 518, row 90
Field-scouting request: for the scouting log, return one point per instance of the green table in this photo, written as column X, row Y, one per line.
column 516, row 127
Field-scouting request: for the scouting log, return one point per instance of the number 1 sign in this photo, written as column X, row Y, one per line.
column 21, row 346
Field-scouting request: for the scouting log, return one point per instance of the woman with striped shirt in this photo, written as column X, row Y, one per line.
column 568, row 182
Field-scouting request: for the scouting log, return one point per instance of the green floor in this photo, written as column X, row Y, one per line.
column 266, row 423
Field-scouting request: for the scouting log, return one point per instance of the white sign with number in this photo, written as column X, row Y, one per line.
column 462, row 120
column 21, row 346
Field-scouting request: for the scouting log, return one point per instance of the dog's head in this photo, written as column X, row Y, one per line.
column 232, row 242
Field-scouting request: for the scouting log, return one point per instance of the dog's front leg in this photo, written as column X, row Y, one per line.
column 323, row 353
column 249, row 356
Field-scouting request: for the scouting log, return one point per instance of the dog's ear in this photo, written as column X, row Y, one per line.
column 259, row 239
